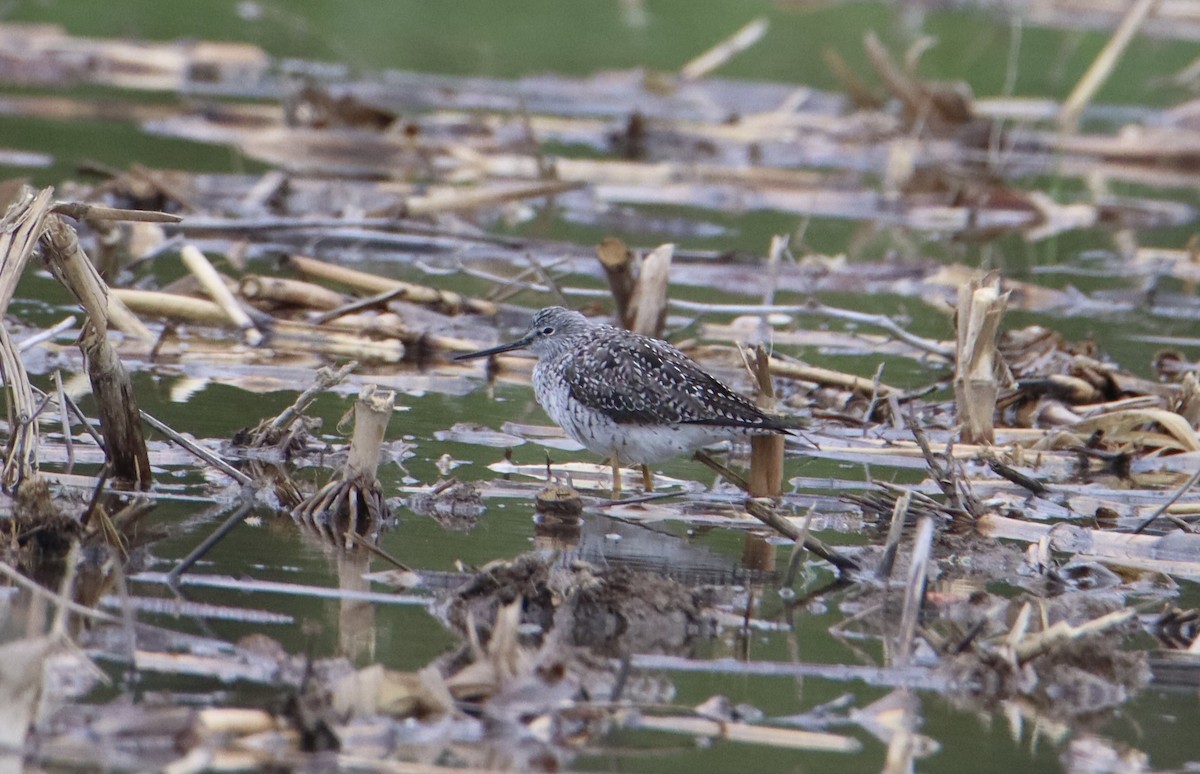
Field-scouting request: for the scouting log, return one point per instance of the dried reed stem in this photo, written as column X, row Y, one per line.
column 980, row 307
column 766, row 451
column 1105, row 63
column 417, row 294
column 617, row 261
column 117, row 407
column 648, row 306
column 219, row 292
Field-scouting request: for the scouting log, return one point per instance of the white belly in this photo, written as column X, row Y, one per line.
column 639, row 444
column 631, row 443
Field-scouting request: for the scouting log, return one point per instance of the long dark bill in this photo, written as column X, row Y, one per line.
column 518, row 344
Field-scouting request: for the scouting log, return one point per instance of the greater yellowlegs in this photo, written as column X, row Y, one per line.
column 631, row 398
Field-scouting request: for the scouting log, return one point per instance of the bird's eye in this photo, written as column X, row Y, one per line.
column 547, row 331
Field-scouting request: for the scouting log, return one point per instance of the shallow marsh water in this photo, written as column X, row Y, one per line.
column 513, row 39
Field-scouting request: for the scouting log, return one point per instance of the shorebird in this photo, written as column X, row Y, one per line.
column 628, row 397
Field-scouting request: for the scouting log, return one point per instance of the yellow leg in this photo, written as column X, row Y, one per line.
column 647, row 479
column 616, row 477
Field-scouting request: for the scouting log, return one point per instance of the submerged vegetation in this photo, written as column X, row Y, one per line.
column 971, row 503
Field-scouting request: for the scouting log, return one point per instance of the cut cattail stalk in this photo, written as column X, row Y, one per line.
column 301, row 337
column 980, row 307
column 353, row 503
column 456, row 198
column 385, row 324
column 188, row 309
column 289, row 292
column 648, row 306
column 617, row 261
column 389, row 325
column 285, row 335
column 216, row 289
column 417, row 294
column 766, row 451
column 829, row 377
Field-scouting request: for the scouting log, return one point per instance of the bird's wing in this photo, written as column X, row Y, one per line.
column 644, row 381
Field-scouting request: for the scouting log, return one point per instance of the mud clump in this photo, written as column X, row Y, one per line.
column 40, row 523
column 608, row 612
column 625, row 611
column 1078, row 678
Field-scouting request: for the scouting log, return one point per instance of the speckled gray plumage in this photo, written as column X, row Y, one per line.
column 629, row 396
column 633, row 379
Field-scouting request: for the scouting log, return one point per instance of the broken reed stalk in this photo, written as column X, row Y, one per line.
column 727, row 49
column 352, row 502
column 185, row 309
column 1174, row 498
column 370, row 283
column 216, row 536
column 361, row 304
column 828, row 377
column 895, row 530
column 747, row 733
column 458, row 198
column 732, row 477
column 117, row 407
column 1028, row 648
column 1104, row 64
column 72, row 267
column 285, row 335
column 914, row 590
column 814, row 309
column 213, row 284
column 268, row 433
column 980, row 307
column 762, row 510
column 648, row 306
column 766, row 451
column 84, row 210
column 617, row 261
column 120, row 420
column 289, row 292
column 19, row 232
column 20, row 228
column 21, row 452
column 198, row 451
column 854, row 87
column 299, row 337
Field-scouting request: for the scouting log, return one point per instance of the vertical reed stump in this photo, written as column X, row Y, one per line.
column 766, row 451
column 618, row 267
column 980, row 307
column 648, row 306
column 352, row 503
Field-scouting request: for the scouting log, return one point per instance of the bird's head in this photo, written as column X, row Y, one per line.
column 550, row 333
